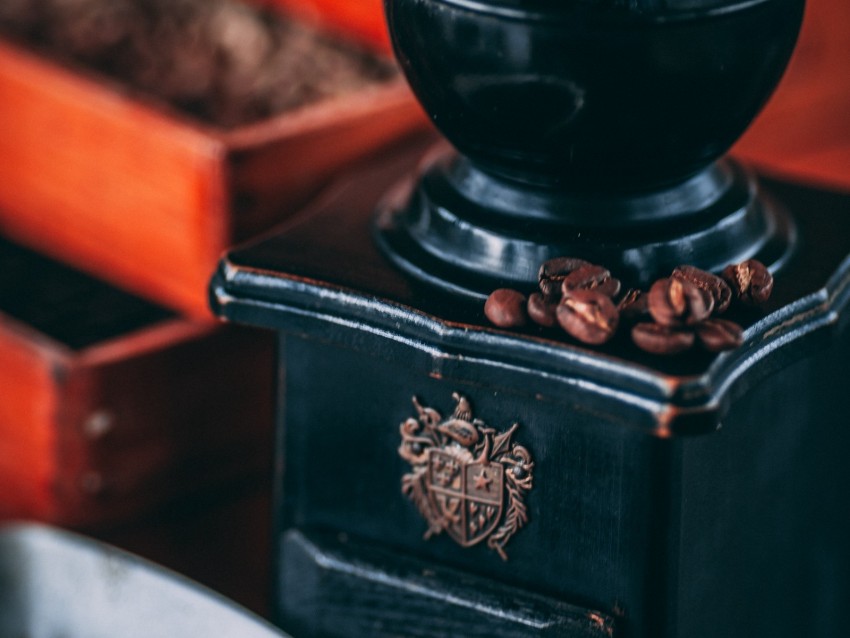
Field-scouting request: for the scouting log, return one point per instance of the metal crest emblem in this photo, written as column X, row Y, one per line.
column 467, row 479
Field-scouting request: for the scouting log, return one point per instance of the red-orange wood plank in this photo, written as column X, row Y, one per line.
column 135, row 193
column 30, row 370
column 89, row 175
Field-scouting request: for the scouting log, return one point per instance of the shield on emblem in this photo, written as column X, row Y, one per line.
column 467, row 496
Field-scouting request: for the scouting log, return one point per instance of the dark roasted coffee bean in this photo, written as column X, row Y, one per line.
column 591, row 277
column 541, row 311
column 634, row 304
column 589, row 316
column 751, row 281
column 550, row 289
column 560, row 267
column 506, row 308
column 658, row 339
column 718, row 335
column 709, row 282
column 675, row 302
column 554, row 271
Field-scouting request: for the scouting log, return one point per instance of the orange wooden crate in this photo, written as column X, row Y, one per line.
column 129, row 189
column 111, row 408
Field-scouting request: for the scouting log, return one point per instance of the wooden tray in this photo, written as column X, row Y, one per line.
column 129, row 189
column 111, row 408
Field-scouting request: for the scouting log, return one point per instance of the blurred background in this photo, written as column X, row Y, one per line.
column 141, row 138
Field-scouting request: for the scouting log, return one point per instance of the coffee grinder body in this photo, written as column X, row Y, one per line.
column 670, row 498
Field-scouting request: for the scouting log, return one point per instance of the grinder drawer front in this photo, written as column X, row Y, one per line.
column 332, row 587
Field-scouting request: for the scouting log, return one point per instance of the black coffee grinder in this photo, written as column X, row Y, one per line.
column 441, row 476
column 587, row 128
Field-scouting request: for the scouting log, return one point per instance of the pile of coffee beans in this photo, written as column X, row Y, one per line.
column 573, row 293
column 676, row 313
column 223, row 61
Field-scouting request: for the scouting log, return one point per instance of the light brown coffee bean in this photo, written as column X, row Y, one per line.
column 751, row 281
column 676, row 302
column 591, row 277
column 506, row 308
column 719, row 289
column 589, row 316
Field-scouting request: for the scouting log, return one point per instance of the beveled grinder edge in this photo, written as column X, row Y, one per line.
column 630, row 393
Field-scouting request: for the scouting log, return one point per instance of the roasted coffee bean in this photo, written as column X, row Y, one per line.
column 554, row 271
column 658, row 339
column 591, row 277
column 674, row 302
column 550, row 289
column 709, row 282
column 633, row 305
column 589, row 316
column 506, row 308
column 751, row 281
column 560, row 267
column 718, row 335
column 541, row 311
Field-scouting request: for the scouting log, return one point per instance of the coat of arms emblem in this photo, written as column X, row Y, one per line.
column 467, row 479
